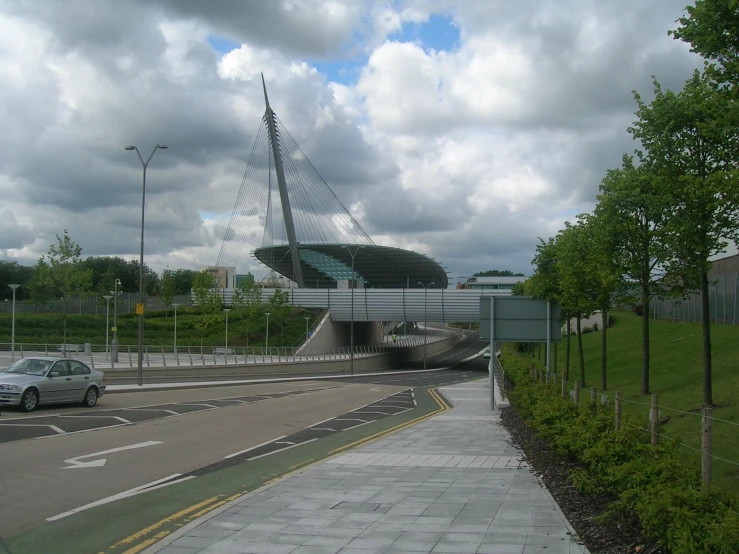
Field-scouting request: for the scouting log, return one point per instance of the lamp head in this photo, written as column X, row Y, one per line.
column 130, row 147
column 162, row 146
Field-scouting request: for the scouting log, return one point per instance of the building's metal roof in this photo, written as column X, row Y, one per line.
column 377, row 266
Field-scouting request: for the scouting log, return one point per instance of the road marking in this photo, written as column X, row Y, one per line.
column 52, row 427
column 182, row 513
column 253, row 447
column 376, row 389
column 319, row 422
column 122, row 420
column 377, row 412
column 359, row 425
column 76, row 463
column 349, row 419
column 281, row 450
column 284, row 442
column 145, row 409
column 324, row 429
column 159, row 483
column 195, row 404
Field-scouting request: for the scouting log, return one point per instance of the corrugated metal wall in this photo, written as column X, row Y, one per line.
column 461, row 305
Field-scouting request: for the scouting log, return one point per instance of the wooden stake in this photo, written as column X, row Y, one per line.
column 654, row 420
column 618, row 410
column 707, row 446
column 577, row 392
column 564, row 387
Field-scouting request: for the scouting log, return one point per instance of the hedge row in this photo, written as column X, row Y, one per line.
column 654, row 482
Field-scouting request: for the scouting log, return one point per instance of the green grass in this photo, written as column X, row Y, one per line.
column 47, row 328
column 676, row 375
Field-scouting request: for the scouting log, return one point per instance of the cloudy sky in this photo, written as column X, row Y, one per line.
column 460, row 129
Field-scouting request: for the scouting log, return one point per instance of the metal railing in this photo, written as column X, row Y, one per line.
column 160, row 356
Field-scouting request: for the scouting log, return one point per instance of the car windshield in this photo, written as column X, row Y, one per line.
column 29, row 367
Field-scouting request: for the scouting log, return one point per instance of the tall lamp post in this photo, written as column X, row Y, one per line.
column 266, row 340
column 107, row 318
column 12, row 332
column 351, row 331
column 176, row 357
column 226, row 310
column 140, row 307
column 425, row 323
column 114, row 342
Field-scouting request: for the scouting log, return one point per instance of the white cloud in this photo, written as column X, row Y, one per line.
column 466, row 155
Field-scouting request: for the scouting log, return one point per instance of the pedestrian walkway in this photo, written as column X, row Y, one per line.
column 451, row 483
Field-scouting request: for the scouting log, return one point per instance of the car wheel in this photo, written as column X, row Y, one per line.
column 29, row 400
column 91, row 397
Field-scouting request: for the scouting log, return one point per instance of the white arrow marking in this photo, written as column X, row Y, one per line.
column 76, row 463
column 376, row 389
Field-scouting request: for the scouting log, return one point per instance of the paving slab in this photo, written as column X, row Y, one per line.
column 452, row 483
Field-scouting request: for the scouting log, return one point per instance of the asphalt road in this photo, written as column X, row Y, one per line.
column 49, row 477
column 61, row 461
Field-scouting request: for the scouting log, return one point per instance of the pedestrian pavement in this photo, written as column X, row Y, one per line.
column 451, row 483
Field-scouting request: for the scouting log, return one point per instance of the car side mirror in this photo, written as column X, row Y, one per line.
column 53, row 374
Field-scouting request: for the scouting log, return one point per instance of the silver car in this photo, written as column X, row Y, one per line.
column 45, row 380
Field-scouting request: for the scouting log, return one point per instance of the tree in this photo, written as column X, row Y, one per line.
column 632, row 204
column 65, row 273
column 208, row 300
column 605, row 276
column 167, row 289
column 13, row 273
column 712, row 29
column 41, row 287
column 545, row 283
column 576, row 287
column 246, row 299
column 497, row 273
column 691, row 139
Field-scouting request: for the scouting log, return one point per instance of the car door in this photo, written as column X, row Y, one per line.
column 56, row 388
column 80, row 375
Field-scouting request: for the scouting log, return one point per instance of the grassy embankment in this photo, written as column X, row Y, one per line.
column 158, row 328
column 676, row 375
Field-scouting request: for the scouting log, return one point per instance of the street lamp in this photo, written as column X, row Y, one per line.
column 266, row 340
column 114, row 342
column 351, row 332
column 425, row 324
column 177, row 358
column 140, row 307
column 12, row 332
column 107, row 315
column 226, row 310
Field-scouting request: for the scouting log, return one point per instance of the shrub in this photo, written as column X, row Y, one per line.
column 654, row 482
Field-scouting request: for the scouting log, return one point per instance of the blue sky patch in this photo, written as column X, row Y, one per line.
column 437, row 33
column 222, row 45
column 345, row 72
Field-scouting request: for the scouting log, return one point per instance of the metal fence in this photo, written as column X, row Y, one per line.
column 160, row 356
column 723, row 297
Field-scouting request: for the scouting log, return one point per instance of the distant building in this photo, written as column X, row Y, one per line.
column 505, row 283
column 223, row 277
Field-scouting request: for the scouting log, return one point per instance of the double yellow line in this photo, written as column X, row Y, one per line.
column 201, row 508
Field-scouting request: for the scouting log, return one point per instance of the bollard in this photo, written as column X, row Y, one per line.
column 618, row 410
column 654, row 420
column 593, row 395
column 577, row 392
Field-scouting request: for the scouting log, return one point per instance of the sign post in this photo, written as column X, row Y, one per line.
column 518, row 319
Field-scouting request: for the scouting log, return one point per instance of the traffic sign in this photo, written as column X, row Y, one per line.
column 139, row 309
